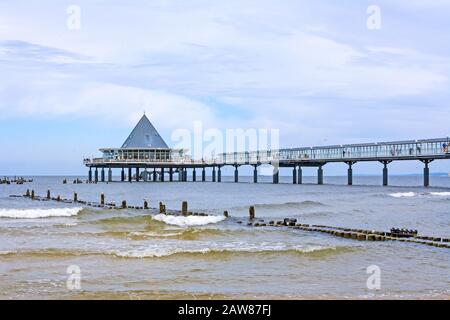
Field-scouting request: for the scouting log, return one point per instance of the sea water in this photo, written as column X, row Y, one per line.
column 129, row 254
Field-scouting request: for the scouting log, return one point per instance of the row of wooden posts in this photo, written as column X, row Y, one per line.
column 356, row 234
column 162, row 207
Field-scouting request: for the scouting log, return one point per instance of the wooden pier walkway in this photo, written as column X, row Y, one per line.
column 144, row 164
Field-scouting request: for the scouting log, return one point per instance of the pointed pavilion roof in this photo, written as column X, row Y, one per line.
column 144, row 135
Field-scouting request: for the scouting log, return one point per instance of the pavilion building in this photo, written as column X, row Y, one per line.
column 144, row 148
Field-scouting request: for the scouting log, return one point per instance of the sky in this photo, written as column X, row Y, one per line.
column 77, row 75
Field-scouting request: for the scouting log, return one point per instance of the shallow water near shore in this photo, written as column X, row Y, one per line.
column 136, row 254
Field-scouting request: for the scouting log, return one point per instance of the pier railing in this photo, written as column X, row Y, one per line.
column 105, row 161
column 401, row 150
column 432, row 148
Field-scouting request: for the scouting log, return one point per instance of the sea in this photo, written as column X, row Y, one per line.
column 55, row 250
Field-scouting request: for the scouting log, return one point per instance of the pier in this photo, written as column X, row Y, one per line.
column 145, row 156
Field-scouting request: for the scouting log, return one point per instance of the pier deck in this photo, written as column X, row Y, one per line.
column 425, row 151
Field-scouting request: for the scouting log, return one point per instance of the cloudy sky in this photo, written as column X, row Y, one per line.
column 312, row 69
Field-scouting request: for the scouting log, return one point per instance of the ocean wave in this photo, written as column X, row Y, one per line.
column 419, row 194
column 47, row 252
column 440, row 194
column 188, row 221
column 112, row 220
column 209, row 251
column 38, row 213
column 158, row 252
column 403, row 194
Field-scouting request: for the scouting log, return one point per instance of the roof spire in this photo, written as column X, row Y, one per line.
column 144, row 135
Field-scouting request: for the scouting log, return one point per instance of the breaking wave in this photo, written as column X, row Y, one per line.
column 38, row 213
column 188, row 221
column 213, row 252
column 442, row 194
column 402, row 194
column 419, row 194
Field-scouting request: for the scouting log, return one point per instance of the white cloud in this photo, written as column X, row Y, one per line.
column 105, row 102
column 263, row 60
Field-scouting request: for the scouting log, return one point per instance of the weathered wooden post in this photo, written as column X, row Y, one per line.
column 48, row 195
column 145, row 204
column 164, row 209
column 225, row 213
column 184, row 208
column 251, row 212
column 102, row 199
column 32, row 194
column 58, row 198
column 75, row 197
column 124, row 204
column 27, row 194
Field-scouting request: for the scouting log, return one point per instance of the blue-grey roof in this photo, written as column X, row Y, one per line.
column 144, row 135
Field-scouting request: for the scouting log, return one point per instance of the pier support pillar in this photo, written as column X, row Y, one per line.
column 236, row 174
column 426, row 173
column 350, row 173
column 96, row 175
column 90, row 175
column 162, row 174
column 103, row 175
column 184, row 175
column 219, row 174
column 194, row 175
column 294, row 175
column 255, row 174
column 299, row 175
column 170, row 174
column 203, row 174
column 214, row 174
column 109, row 175
column 385, row 172
column 276, row 175
column 320, row 175
column 180, row 174
column 137, row 174
column 130, row 175
column 122, row 175
column 154, row 175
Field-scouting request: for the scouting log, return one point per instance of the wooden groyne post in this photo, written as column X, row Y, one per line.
column 184, row 208
column 251, row 212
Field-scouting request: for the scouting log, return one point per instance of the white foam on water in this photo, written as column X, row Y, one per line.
column 158, row 251
column 415, row 194
column 442, row 194
column 38, row 213
column 189, row 220
column 403, row 194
